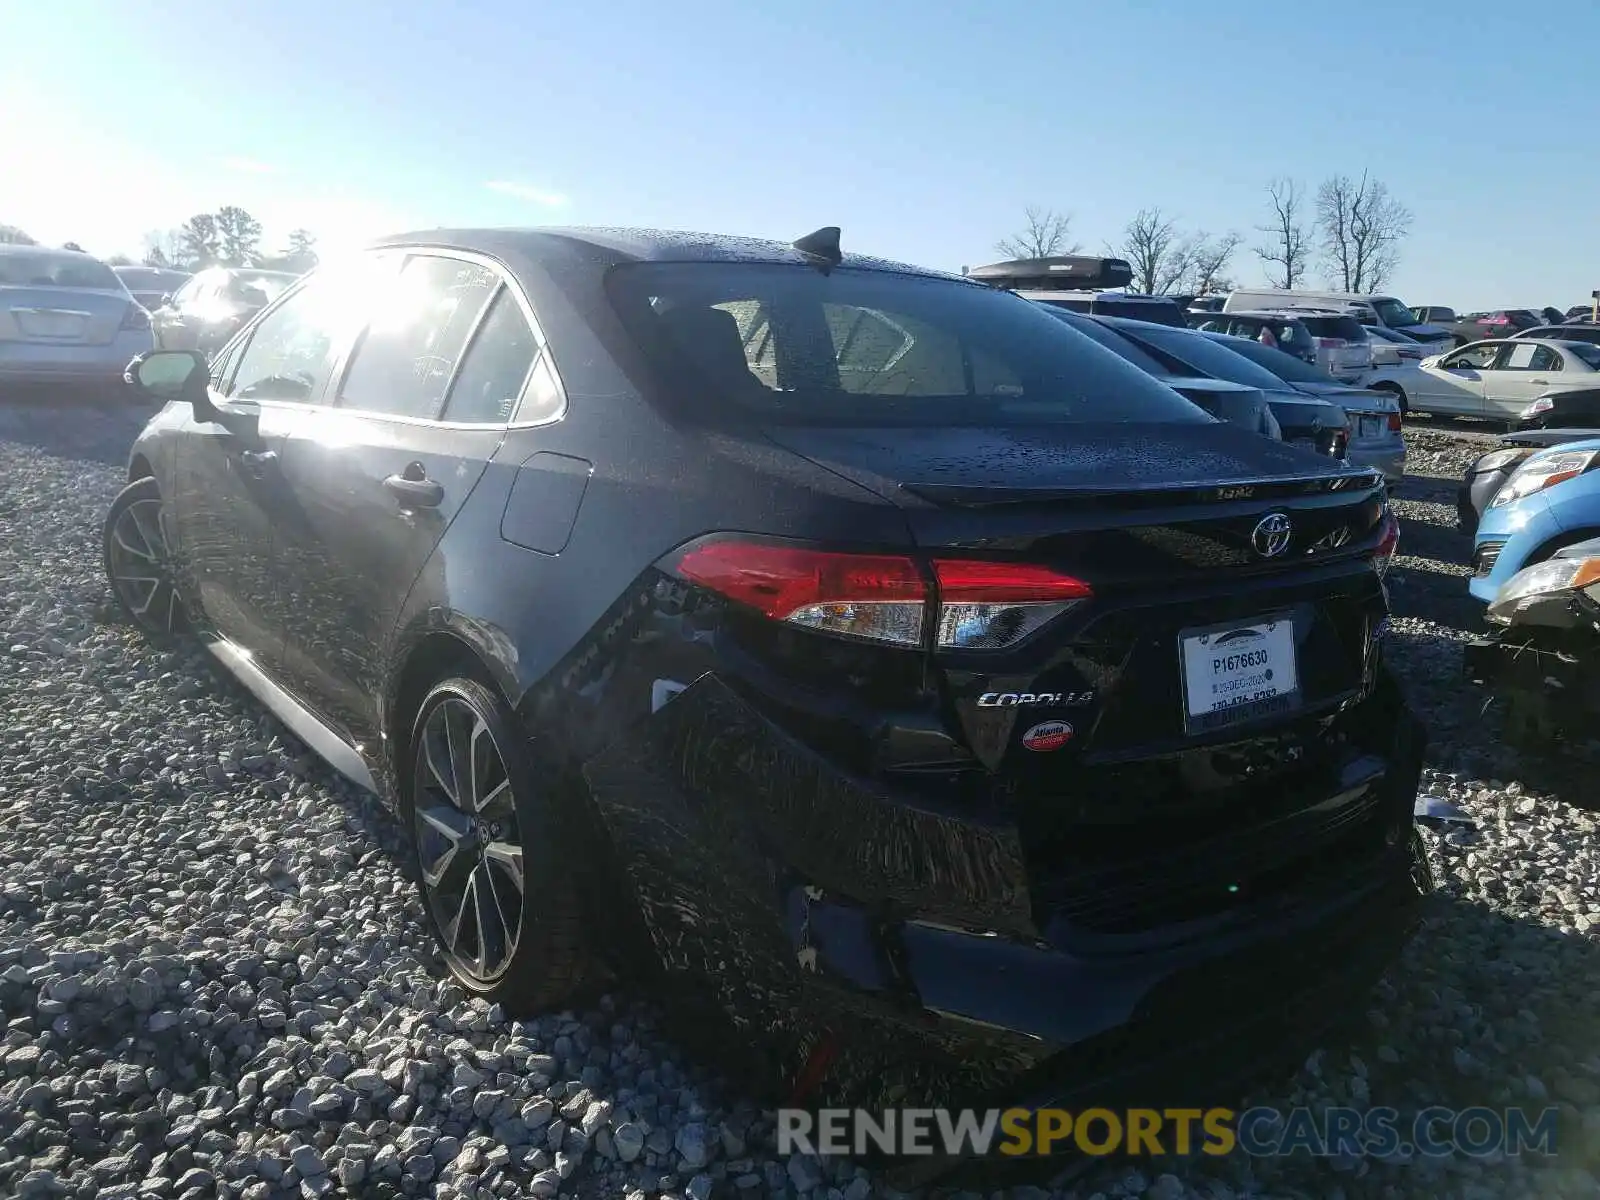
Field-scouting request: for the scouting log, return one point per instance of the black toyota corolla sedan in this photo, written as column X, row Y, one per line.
column 943, row 703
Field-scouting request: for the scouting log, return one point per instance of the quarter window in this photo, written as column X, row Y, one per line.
column 495, row 367
column 1545, row 359
column 407, row 354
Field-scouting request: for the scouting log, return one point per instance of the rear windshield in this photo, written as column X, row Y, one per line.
column 868, row 347
column 1565, row 333
column 1284, row 366
column 1585, row 352
column 1114, row 342
column 1394, row 314
column 41, row 268
column 1206, row 357
column 1348, row 328
column 1166, row 312
column 269, row 283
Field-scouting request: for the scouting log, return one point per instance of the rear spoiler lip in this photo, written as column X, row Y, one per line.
column 1280, row 487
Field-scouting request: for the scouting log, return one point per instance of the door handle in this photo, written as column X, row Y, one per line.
column 256, row 462
column 1540, row 382
column 415, row 490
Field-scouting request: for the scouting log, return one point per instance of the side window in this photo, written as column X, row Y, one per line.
column 292, row 352
column 408, row 351
column 1545, row 359
column 865, row 343
column 1474, row 358
column 1519, row 357
column 184, row 296
column 755, row 331
column 495, row 367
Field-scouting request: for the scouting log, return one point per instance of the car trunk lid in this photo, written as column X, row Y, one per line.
column 1215, row 559
column 61, row 316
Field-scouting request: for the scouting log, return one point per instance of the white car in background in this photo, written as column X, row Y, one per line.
column 1504, row 379
column 66, row 318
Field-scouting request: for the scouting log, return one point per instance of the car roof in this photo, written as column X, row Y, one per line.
column 1269, row 314
column 613, row 246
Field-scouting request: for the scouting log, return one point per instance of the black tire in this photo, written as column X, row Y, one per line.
column 137, row 562
column 513, row 806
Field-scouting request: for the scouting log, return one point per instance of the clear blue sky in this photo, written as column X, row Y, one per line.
column 922, row 130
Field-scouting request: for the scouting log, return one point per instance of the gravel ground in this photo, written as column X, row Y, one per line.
column 214, row 980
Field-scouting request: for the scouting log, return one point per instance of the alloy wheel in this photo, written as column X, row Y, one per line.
column 469, row 840
column 141, row 567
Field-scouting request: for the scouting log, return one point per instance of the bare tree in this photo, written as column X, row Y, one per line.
column 1045, row 235
column 162, row 248
column 1289, row 250
column 1362, row 227
column 1208, row 259
column 1160, row 257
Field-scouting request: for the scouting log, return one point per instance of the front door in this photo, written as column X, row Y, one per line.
column 233, row 492
column 1522, row 374
column 1454, row 383
column 381, row 471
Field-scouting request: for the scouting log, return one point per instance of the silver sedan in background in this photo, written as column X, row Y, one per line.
column 66, row 318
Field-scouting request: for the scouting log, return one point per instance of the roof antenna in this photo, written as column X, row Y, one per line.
column 821, row 248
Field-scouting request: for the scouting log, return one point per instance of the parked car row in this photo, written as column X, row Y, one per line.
column 909, row 669
column 1278, row 354
column 68, row 318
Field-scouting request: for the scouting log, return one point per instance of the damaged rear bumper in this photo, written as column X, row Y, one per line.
column 803, row 907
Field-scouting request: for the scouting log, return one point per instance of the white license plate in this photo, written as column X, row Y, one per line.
column 1372, row 427
column 1239, row 671
column 52, row 324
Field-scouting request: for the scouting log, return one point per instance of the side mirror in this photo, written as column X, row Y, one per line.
column 166, row 300
column 1431, row 361
column 167, row 375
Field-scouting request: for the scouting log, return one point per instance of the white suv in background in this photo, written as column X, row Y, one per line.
column 1369, row 308
column 1343, row 348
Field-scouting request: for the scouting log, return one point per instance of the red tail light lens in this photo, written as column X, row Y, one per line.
column 989, row 605
column 884, row 598
column 1394, row 422
column 1387, row 543
column 135, row 318
column 859, row 595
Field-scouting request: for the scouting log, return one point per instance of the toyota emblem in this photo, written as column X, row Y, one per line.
column 1270, row 537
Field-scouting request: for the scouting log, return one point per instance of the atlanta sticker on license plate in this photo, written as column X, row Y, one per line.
column 1237, row 672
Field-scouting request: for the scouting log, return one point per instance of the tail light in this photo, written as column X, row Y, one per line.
column 974, row 604
column 1394, row 422
column 136, row 318
column 1387, row 543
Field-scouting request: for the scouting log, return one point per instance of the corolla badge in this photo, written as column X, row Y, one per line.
column 1270, row 537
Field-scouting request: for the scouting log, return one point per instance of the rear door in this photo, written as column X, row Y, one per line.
column 1523, row 373
column 378, row 474
column 1454, row 383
